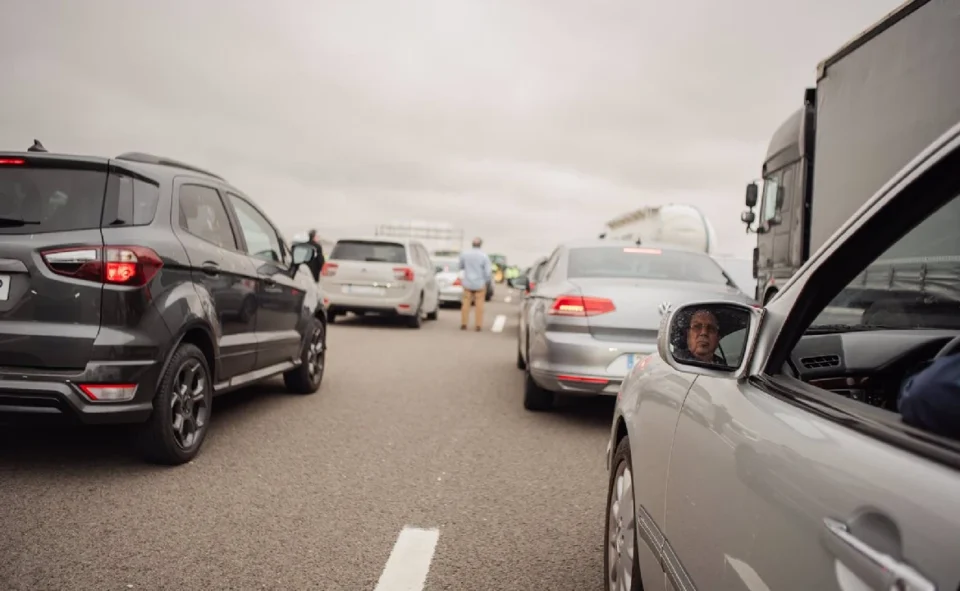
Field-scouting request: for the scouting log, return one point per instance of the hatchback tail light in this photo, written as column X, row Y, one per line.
column 115, row 265
column 329, row 269
column 574, row 305
column 403, row 273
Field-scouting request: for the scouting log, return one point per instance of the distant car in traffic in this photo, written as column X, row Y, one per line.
column 596, row 310
column 383, row 276
column 449, row 280
column 135, row 289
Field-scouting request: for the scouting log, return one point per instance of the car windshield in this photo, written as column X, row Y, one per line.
column 369, row 251
column 914, row 284
column 446, row 265
column 624, row 262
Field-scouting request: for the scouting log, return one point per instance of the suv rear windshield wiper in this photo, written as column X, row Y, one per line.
column 10, row 222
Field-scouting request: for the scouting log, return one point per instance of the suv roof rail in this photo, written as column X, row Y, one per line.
column 151, row 159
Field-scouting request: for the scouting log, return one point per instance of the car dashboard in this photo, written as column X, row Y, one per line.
column 867, row 366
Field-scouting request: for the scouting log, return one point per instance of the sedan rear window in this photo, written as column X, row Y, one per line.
column 643, row 263
column 38, row 200
column 361, row 250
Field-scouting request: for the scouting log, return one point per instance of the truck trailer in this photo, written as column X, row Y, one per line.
column 878, row 102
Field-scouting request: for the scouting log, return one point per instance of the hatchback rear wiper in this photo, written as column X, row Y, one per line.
column 10, row 222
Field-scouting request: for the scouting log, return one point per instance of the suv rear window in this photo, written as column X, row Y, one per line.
column 361, row 250
column 617, row 262
column 35, row 200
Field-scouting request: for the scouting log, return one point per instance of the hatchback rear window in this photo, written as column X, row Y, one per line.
column 359, row 250
column 643, row 263
column 36, row 200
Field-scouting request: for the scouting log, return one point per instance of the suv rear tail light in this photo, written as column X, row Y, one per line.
column 329, row 269
column 457, row 282
column 403, row 273
column 109, row 392
column 574, row 305
column 11, row 161
column 115, row 265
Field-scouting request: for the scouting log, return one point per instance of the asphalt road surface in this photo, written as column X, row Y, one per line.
column 411, row 429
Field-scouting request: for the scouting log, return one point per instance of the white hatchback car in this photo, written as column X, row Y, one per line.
column 384, row 276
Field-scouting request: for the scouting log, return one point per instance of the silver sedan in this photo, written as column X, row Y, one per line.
column 596, row 310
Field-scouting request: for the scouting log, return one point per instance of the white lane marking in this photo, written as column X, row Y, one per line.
column 498, row 323
column 506, row 300
column 409, row 562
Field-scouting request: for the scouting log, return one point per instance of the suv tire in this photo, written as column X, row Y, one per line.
column 417, row 319
column 184, row 397
column 306, row 378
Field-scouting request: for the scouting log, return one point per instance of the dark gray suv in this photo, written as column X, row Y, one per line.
column 137, row 288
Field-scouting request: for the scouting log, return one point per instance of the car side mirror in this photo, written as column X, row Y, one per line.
column 522, row 283
column 710, row 338
column 752, row 193
column 303, row 254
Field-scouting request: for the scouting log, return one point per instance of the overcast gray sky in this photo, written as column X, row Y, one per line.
column 524, row 121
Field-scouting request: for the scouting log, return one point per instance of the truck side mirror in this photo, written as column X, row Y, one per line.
column 748, row 217
column 751, row 199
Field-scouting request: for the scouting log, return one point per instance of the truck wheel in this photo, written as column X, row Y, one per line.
column 181, row 409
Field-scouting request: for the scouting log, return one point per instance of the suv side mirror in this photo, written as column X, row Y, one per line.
column 752, row 193
column 710, row 338
column 303, row 253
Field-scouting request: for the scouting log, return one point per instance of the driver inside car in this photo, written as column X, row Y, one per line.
column 930, row 399
column 703, row 338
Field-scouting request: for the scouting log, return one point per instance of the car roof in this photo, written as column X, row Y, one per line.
column 139, row 162
column 600, row 242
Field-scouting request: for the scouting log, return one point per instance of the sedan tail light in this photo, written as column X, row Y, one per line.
column 403, row 273
column 574, row 305
column 329, row 269
column 115, row 265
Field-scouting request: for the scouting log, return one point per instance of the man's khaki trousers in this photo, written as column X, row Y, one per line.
column 476, row 298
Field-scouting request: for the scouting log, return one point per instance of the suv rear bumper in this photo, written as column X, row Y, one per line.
column 56, row 396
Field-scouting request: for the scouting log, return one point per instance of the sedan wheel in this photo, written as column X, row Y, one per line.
column 620, row 551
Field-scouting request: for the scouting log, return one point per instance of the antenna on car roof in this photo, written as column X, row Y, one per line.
column 36, row 147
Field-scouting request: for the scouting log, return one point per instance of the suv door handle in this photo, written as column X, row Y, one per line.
column 877, row 568
column 210, row 268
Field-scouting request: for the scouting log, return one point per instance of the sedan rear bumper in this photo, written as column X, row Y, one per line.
column 576, row 363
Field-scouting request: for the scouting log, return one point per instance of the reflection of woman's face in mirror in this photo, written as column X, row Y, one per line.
column 703, row 335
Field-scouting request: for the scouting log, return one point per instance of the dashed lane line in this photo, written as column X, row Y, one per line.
column 498, row 323
column 409, row 562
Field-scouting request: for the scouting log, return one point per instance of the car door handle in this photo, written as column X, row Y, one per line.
column 877, row 568
column 268, row 281
column 211, row 268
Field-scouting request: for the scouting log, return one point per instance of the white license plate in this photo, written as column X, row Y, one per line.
column 4, row 287
column 364, row 290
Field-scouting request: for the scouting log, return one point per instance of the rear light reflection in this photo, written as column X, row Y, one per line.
column 116, row 265
column 574, row 305
column 329, row 269
column 109, row 392
column 403, row 273
column 583, row 379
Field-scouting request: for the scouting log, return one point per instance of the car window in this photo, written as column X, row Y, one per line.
column 262, row 240
column 551, row 264
column 369, row 251
column 770, row 185
column 731, row 346
column 203, row 215
column 130, row 201
column 915, row 283
column 639, row 262
column 39, row 200
column 427, row 263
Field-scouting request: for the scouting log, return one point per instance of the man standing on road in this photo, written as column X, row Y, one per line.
column 475, row 265
column 317, row 263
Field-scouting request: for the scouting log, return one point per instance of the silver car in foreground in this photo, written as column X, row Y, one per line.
column 596, row 310
column 787, row 464
column 384, row 276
